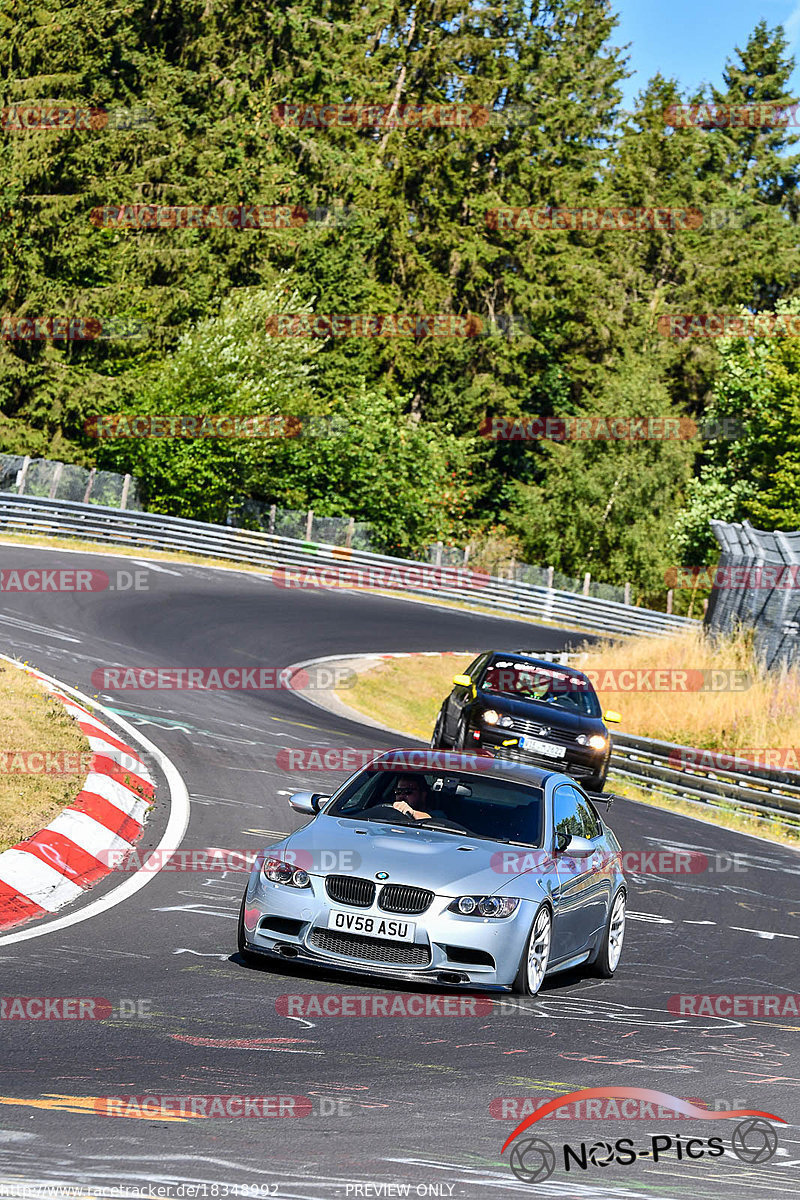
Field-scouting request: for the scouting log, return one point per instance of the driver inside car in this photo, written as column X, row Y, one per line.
column 410, row 792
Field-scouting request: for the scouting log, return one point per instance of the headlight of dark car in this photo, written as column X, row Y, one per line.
column 484, row 906
column 277, row 871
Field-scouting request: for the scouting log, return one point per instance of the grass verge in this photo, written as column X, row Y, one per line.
column 32, row 721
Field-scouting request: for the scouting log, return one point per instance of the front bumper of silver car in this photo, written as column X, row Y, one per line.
column 448, row 948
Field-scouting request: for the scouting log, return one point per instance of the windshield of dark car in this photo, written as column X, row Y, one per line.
column 524, row 681
column 457, row 802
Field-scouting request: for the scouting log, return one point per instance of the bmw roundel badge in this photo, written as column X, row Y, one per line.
column 381, row 875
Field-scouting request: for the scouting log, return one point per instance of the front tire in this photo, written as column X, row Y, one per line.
column 462, row 733
column 533, row 967
column 610, row 951
column 437, row 737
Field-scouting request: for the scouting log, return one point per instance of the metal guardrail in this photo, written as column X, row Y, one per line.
column 685, row 773
column 139, row 530
column 667, row 768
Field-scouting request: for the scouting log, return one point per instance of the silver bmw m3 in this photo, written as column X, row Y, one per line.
column 442, row 867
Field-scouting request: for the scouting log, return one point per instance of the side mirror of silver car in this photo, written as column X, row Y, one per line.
column 307, row 802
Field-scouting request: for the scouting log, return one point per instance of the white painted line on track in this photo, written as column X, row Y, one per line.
column 171, row 839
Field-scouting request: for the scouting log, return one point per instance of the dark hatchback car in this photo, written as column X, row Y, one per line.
column 528, row 710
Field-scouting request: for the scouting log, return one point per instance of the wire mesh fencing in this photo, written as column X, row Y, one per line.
column 756, row 586
column 52, row 480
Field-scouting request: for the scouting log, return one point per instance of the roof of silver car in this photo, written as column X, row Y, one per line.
column 409, row 759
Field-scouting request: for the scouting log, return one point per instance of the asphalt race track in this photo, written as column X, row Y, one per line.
column 396, row 1101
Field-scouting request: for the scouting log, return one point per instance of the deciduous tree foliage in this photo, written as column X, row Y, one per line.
column 569, row 316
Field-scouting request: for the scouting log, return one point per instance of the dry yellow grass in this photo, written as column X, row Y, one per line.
column 31, row 720
column 764, row 714
column 406, row 693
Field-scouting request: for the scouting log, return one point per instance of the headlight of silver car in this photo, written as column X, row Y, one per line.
column 277, row 871
column 484, row 906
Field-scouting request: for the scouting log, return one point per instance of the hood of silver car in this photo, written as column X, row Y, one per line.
column 447, row 863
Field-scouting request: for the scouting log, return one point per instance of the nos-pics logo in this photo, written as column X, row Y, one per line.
column 534, row 1160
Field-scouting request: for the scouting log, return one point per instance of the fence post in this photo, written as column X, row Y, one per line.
column 512, row 570
column 56, row 481
column 89, row 483
column 309, row 524
column 705, row 606
column 272, row 518
column 627, row 593
column 587, row 579
column 23, row 471
column 466, row 553
column 669, row 601
column 126, row 487
column 550, row 574
column 438, row 558
column 351, row 525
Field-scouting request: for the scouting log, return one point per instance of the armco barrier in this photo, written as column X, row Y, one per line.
column 652, row 765
column 92, row 522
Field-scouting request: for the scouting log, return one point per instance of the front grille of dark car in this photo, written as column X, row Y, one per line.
column 399, row 898
column 561, row 737
column 369, row 949
column 349, row 889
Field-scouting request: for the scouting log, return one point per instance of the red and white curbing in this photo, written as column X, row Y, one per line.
column 57, row 864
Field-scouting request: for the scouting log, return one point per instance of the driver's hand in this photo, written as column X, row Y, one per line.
column 403, row 807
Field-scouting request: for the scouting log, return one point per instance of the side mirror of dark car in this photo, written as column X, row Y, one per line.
column 307, row 802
